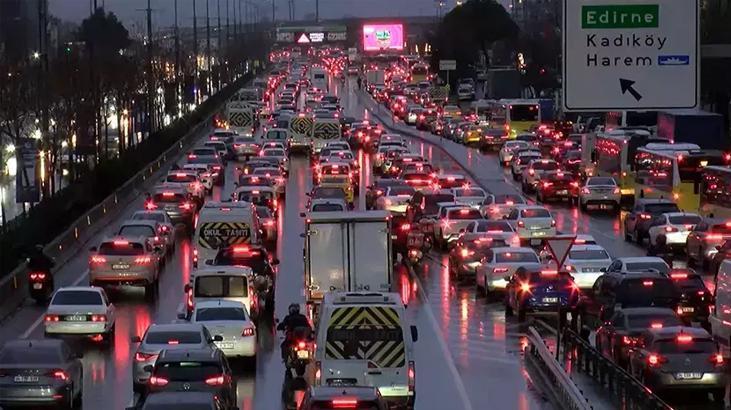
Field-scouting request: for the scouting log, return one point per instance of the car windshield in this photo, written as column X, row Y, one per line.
column 646, row 321
column 646, row 266
column 685, row 220
column 600, row 181
column 535, row 213
column 136, row 230
column 469, row 192
column 676, row 346
column 657, row 209
column 214, row 286
column 516, row 257
column 121, row 248
column 187, row 371
column 77, row 297
column 220, row 313
column 10, row 356
column 588, row 254
column 545, row 165
column 172, row 337
column 464, row 213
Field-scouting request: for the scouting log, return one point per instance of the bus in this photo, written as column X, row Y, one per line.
column 673, row 174
column 715, row 191
column 419, row 73
column 521, row 115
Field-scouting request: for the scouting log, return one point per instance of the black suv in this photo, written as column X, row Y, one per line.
column 205, row 370
column 638, row 221
column 617, row 290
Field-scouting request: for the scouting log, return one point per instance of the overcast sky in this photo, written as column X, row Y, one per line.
column 127, row 10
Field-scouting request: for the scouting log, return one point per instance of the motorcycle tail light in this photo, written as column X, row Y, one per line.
column 318, row 373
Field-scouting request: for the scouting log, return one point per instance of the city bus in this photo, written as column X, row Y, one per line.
column 521, row 115
column 674, row 174
column 419, row 73
column 715, row 191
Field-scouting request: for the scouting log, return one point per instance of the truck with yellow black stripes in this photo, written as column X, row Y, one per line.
column 363, row 339
column 347, row 251
column 324, row 130
column 300, row 132
column 242, row 117
column 222, row 224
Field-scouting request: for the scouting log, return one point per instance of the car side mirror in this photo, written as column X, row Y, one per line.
column 414, row 333
column 135, row 339
column 275, row 261
column 218, row 338
column 147, row 368
column 92, row 249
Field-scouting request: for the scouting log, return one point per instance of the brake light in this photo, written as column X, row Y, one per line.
column 248, row 331
column 143, row 260
column 51, row 318
column 525, row 287
column 547, row 184
column 549, row 272
column 37, row 276
column 168, row 194
column 679, row 276
column 656, row 325
column 648, row 283
column 466, row 252
column 186, row 205
column 412, row 375
column 521, row 224
column 98, row 318
column 405, row 227
column 121, row 243
column 149, row 205
column 531, row 171
column 59, row 374
column 158, row 381
column 629, row 341
column 143, row 357
column 655, row 360
column 617, row 191
column 98, row 259
column 500, row 270
column 671, row 229
column 553, row 222
column 645, row 216
column 684, row 338
column 717, row 359
column 240, row 249
column 344, row 403
column 216, row 380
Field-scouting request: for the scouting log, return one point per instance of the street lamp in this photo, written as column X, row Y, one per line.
column 36, row 55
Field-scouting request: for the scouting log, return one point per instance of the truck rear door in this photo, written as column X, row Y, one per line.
column 370, row 256
column 327, row 244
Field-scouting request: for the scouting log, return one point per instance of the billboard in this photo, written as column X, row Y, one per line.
column 383, row 37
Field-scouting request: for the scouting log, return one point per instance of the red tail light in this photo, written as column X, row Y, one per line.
column 149, row 205
column 344, row 403
column 645, row 216
column 717, row 359
column 143, row 260
column 500, row 270
column 98, row 318
column 521, row 224
column 671, row 229
column 144, row 357
column 547, row 184
column 37, row 276
column 51, row 318
column 158, row 381
column 186, row 206
column 412, row 375
column 248, row 331
column 679, row 276
column 656, row 360
column 629, row 341
column 617, row 191
column 59, row 374
column 405, row 227
column 301, row 346
column 684, row 338
column 216, row 380
column 553, row 222
column 98, row 259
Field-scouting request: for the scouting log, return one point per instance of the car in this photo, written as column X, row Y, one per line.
column 38, row 373
column 215, row 162
column 253, row 256
column 257, row 195
column 493, row 137
column 452, row 220
column 131, row 261
column 166, row 225
column 472, row 196
column 468, row 251
column 412, row 114
column 205, row 370
column 668, row 232
column 497, row 229
column 556, row 185
column 638, row 220
column 497, row 206
column 328, row 205
column 618, row 336
column 613, row 291
column 176, row 202
column 586, row 263
column 276, row 176
column 420, row 181
column 543, row 292
column 499, row 264
column 151, row 230
column 190, row 400
column 704, row 241
column 279, row 154
column 696, row 301
column 466, row 92
column 639, row 264
column 204, row 174
column 395, row 199
column 449, row 181
column 601, row 192
column 189, row 180
column 505, row 155
column 80, row 311
column 535, row 171
column 157, row 337
column 246, row 147
column 343, row 397
column 230, row 320
column 520, row 162
column 378, row 188
column 680, row 359
column 532, row 222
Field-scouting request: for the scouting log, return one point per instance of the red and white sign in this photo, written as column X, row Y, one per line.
column 559, row 246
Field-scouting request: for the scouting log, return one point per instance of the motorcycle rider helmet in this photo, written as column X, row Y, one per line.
column 294, row 309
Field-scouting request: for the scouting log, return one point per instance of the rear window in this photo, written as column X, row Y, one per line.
column 221, row 286
column 535, row 213
column 203, row 151
column 509, row 199
column 34, row 355
column 220, row 313
column 136, row 230
column 646, row 292
column 166, row 197
column 187, row 371
column 493, row 226
column 257, row 198
column 600, row 181
column 461, row 214
column 685, row 220
column 645, row 266
column 77, row 297
column 327, row 208
column 181, row 178
column 511, row 257
column 469, row 192
column 545, row 166
column 150, row 216
column 121, row 248
column 646, row 321
column 657, row 209
column 694, row 346
column 588, row 254
column 177, row 337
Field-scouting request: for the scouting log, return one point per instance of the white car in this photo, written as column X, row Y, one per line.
column 535, row 170
column 669, row 231
column 466, row 92
column 452, row 221
column 506, row 151
column 230, row 320
column 499, row 205
column 521, row 161
column 600, row 191
column 472, row 196
column 278, row 153
column 500, row 263
column 395, row 199
column 204, row 174
column 338, row 145
column 275, row 175
column 80, row 311
column 532, row 223
column 586, row 263
column 187, row 179
column 494, row 229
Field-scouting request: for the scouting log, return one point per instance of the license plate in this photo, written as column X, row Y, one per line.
column 37, row 286
column 225, row 345
column 535, row 242
column 75, row 318
column 550, row 300
column 303, row 354
column 687, row 309
column 25, row 379
column 562, row 192
column 120, row 266
column 687, row 376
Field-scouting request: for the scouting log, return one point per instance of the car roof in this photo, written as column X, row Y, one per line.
column 175, row 327
column 591, row 247
column 82, row 288
column 647, row 311
column 651, row 274
column 636, row 259
column 645, row 201
column 669, row 214
column 506, row 249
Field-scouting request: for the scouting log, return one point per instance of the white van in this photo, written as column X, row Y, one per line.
column 221, row 224
column 318, row 78
column 720, row 317
column 219, row 282
column 363, row 340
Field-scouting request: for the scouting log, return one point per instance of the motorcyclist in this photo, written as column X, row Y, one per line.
column 39, row 261
column 291, row 322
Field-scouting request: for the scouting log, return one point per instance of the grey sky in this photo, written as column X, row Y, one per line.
column 127, row 10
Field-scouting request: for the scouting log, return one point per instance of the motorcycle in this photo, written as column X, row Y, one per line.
column 417, row 245
column 300, row 353
column 40, row 285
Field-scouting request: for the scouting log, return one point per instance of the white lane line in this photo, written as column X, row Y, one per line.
column 38, row 321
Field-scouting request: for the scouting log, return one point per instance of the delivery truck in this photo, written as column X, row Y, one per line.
column 347, row 251
column 694, row 126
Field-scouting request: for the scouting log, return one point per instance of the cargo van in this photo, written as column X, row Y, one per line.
column 363, row 339
column 318, row 78
column 219, row 283
column 221, row 224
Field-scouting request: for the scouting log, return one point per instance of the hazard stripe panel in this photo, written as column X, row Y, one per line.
column 215, row 235
column 326, row 131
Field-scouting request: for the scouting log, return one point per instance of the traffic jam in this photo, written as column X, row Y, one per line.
column 378, row 206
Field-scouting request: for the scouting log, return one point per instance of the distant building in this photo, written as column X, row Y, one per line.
column 19, row 29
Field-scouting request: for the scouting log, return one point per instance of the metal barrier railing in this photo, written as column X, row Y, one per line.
column 621, row 385
column 541, row 362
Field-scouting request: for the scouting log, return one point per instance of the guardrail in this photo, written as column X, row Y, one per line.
column 14, row 287
column 621, row 385
column 542, row 363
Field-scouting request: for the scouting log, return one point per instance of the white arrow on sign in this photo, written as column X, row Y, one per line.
column 559, row 247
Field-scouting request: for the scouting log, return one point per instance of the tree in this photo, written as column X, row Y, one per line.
column 471, row 29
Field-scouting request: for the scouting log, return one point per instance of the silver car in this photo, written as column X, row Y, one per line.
column 80, row 311
column 125, row 261
column 148, row 229
column 166, row 224
column 229, row 320
column 501, row 263
column 174, row 336
column 600, row 191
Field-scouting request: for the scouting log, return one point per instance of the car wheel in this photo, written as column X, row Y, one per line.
column 479, row 290
column 79, row 397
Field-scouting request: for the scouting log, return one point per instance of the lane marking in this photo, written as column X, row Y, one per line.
column 38, row 321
